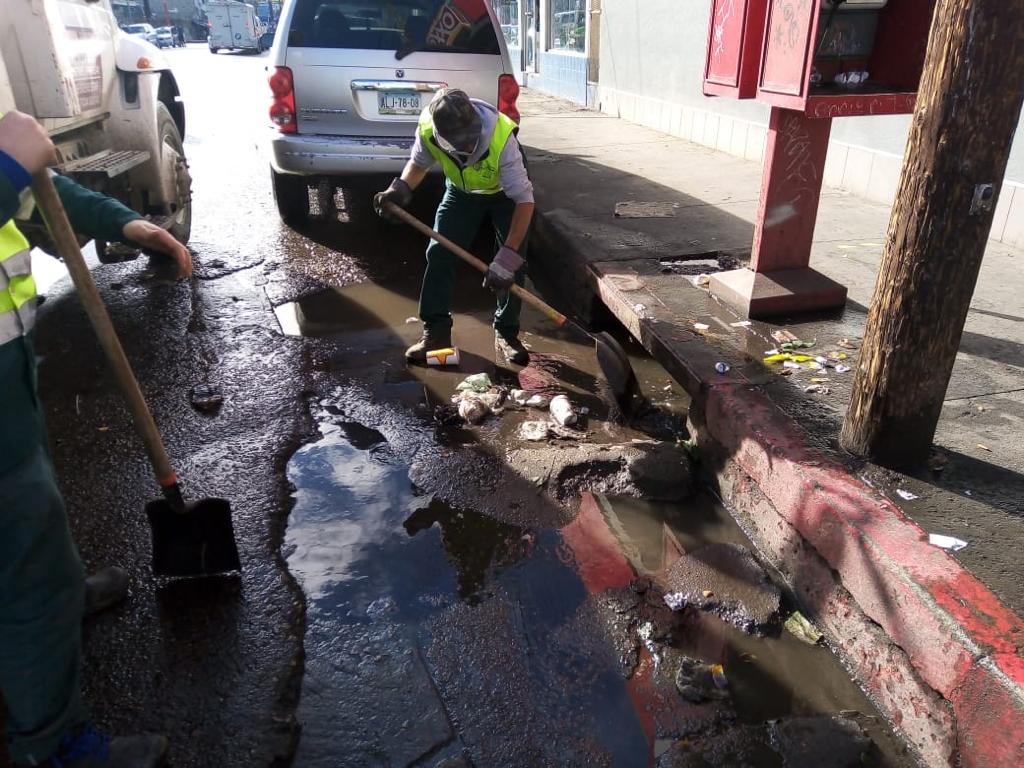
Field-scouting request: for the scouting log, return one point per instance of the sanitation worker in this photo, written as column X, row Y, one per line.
column 485, row 180
column 43, row 590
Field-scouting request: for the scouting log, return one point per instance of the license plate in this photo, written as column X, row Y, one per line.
column 398, row 103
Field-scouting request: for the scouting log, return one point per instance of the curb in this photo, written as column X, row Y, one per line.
column 937, row 650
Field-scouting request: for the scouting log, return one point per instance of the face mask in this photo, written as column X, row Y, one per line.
column 459, row 153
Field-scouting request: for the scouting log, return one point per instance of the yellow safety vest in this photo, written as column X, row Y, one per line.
column 484, row 176
column 17, row 288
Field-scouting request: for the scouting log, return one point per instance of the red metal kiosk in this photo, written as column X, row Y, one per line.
column 811, row 60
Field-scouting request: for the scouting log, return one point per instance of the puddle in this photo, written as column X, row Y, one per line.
column 769, row 677
column 436, row 630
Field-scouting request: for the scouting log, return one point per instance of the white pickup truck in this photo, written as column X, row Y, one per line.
column 109, row 101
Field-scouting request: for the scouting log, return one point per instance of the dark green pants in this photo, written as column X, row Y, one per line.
column 459, row 218
column 42, row 596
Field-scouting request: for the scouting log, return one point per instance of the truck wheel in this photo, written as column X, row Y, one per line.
column 175, row 179
column 213, row 50
column 291, row 193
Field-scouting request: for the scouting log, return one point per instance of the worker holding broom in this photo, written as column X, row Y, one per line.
column 486, row 180
column 43, row 590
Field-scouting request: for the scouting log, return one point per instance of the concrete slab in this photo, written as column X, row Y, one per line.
column 783, row 292
column 727, row 580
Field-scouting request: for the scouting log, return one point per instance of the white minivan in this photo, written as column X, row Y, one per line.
column 349, row 79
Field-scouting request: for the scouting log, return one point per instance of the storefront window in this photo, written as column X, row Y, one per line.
column 508, row 17
column 569, row 25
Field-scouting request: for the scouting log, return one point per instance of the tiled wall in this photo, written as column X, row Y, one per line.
column 562, row 74
column 860, row 170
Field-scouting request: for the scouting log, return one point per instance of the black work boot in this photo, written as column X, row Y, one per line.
column 86, row 747
column 507, row 343
column 429, row 341
column 105, row 588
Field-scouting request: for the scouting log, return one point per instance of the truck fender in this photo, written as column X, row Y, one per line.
column 129, row 50
column 134, row 125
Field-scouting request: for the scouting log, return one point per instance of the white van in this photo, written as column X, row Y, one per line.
column 234, row 26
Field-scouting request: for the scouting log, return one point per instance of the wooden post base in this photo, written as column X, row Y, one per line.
column 785, row 291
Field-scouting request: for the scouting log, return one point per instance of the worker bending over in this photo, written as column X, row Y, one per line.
column 485, row 179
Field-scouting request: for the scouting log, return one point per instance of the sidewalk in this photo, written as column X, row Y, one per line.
column 936, row 638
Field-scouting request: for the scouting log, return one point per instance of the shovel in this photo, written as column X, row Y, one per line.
column 188, row 540
column 611, row 358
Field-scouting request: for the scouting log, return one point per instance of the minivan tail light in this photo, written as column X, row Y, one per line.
column 282, row 109
column 508, row 93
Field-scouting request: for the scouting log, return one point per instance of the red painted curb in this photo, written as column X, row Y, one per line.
column 960, row 638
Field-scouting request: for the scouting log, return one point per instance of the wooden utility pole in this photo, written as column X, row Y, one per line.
column 968, row 105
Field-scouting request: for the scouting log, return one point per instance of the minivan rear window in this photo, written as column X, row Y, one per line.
column 403, row 26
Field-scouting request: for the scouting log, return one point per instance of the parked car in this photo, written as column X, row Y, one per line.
column 145, row 31
column 349, row 79
column 164, row 37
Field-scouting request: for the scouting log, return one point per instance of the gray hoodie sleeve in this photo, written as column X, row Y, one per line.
column 514, row 179
column 420, row 155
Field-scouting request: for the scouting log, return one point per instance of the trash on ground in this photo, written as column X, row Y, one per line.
column 984, row 447
column 836, row 356
column 207, row 397
column 789, row 346
column 792, row 365
column 701, row 326
column 783, row 337
column 534, row 431
column 817, row 389
column 478, row 382
column 722, row 367
column 473, row 409
column 946, row 542
column 443, row 358
column 529, row 399
column 701, row 280
column 782, row 356
column 633, row 209
column 447, row 416
column 741, row 324
column 848, row 343
column 798, row 626
column 770, row 352
column 820, row 380
column 411, row 320
column 698, row 682
column 814, row 365
column 843, row 369
column 562, row 411
column 639, row 308
column 905, row 495
column 967, row 492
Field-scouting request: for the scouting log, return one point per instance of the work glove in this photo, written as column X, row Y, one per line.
column 398, row 193
column 502, row 272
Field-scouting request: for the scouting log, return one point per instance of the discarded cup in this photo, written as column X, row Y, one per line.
column 448, row 357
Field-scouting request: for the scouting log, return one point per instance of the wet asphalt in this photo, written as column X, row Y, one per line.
column 407, row 596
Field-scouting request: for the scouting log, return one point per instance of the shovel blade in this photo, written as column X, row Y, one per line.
column 197, row 542
column 615, row 366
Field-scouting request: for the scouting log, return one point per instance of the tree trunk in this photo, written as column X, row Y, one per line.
column 968, row 106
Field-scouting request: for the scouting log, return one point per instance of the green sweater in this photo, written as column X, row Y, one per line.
column 21, row 426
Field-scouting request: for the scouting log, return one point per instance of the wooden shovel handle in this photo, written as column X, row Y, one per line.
column 67, row 247
column 473, row 261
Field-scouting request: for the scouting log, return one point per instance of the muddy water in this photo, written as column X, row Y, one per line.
column 447, row 616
